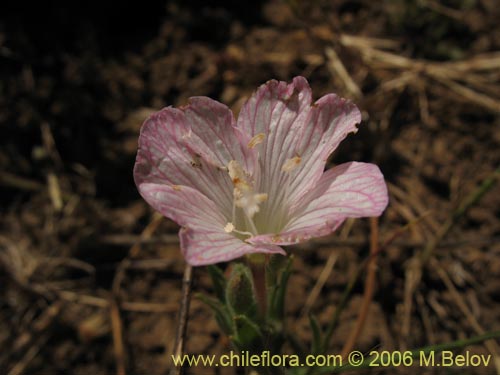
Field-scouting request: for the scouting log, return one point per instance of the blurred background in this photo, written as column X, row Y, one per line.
column 90, row 278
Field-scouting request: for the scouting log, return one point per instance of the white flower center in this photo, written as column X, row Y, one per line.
column 244, row 197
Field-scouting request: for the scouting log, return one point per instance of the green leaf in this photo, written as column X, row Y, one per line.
column 316, row 345
column 274, row 268
column 247, row 334
column 277, row 293
column 218, row 282
column 221, row 312
column 240, row 292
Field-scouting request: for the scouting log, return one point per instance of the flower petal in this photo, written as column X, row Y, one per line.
column 296, row 133
column 348, row 190
column 332, row 119
column 214, row 134
column 203, row 239
column 192, row 146
column 213, row 246
column 278, row 111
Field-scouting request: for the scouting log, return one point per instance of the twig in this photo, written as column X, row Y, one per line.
column 369, row 287
column 145, row 307
column 9, row 179
column 31, row 353
column 343, row 302
column 53, row 185
column 326, row 271
column 49, row 144
column 468, row 202
column 413, row 274
column 54, row 189
column 414, row 203
column 134, row 251
column 444, row 10
column 337, row 68
column 473, row 96
column 448, row 74
column 39, row 335
column 115, row 302
column 183, row 317
column 132, row 239
column 491, row 344
column 426, row 321
column 320, row 283
column 119, row 347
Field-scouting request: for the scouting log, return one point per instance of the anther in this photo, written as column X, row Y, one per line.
column 258, row 138
column 291, row 164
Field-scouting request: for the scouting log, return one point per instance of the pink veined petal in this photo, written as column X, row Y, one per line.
column 213, row 246
column 294, row 127
column 203, row 239
column 215, row 135
column 191, row 146
column 347, row 190
column 332, row 119
column 278, row 110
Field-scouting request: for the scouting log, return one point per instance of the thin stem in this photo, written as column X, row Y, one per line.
column 183, row 317
column 343, row 302
column 117, row 330
column 259, row 278
column 251, row 223
column 491, row 345
column 369, row 287
column 474, row 197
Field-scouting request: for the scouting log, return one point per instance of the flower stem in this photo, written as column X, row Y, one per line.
column 257, row 263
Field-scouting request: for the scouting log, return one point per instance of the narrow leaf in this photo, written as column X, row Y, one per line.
column 218, row 281
column 316, row 331
column 222, row 315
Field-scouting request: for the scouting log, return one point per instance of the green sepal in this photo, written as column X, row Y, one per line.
column 221, row 312
column 247, row 334
column 218, row 282
column 240, row 292
column 316, row 345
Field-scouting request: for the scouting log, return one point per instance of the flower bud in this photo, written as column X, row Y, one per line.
column 240, row 292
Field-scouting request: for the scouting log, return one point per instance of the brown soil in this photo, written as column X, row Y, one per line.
column 76, row 84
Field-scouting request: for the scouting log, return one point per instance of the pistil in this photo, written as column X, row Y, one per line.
column 244, row 195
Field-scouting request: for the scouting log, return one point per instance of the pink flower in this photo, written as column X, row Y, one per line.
column 251, row 185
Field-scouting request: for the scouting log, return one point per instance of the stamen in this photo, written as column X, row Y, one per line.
column 258, row 138
column 291, row 164
column 244, row 195
column 250, row 203
column 238, row 175
column 229, row 228
column 233, row 218
column 252, row 224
